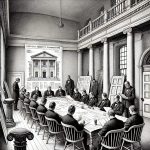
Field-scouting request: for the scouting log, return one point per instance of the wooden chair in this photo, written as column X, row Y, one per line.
column 42, row 122
column 133, row 135
column 28, row 112
column 73, row 135
column 34, row 117
column 54, row 128
column 112, row 139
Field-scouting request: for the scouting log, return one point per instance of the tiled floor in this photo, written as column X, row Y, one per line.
column 38, row 144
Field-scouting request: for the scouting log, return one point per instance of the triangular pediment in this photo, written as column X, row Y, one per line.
column 43, row 55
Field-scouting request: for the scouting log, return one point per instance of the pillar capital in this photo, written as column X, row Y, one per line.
column 79, row 50
column 128, row 30
column 90, row 46
column 104, row 40
column 20, row 135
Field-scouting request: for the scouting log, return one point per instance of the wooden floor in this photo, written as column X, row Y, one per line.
column 37, row 143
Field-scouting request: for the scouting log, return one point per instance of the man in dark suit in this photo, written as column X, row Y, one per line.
column 37, row 92
column 60, row 92
column 33, row 102
column 68, row 119
column 135, row 118
column 128, row 97
column 85, row 97
column 112, row 124
column 41, row 108
column 48, row 92
column 27, row 99
column 92, row 100
column 16, row 93
column 94, row 88
column 69, row 86
column 118, row 106
column 105, row 102
column 52, row 114
column 77, row 95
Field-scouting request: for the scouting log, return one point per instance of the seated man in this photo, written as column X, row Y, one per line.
column 27, row 99
column 84, row 97
column 41, row 108
column 112, row 124
column 76, row 95
column 60, row 92
column 33, row 102
column 22, row 93
column 92, row 100
column 37, row 92
column 68, row 119
column 135, row 118
column 118, row 106
column 52, row 114
column 48, row 92
column 105, row 102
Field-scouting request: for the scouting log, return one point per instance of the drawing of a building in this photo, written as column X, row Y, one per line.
column 43, row 65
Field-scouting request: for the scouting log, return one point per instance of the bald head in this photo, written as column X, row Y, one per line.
column 111, row 113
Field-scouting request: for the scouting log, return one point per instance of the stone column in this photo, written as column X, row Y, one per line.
column 105, row 66
column 91, row 61
column 48, row 69
column 129, row 54
column 20, row 135
column 40, row 73
column 79, row 63
column 55, row 69
column 9, row 112
column 32, row 68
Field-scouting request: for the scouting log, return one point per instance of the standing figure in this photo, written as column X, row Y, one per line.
column 16, row 92
column 69, row 86
column 94, row 88
column 37, row 92
column 128, row 97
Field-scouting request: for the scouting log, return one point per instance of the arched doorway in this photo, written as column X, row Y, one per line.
column 145, row 72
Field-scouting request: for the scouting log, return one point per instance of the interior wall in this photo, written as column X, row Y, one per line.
column 37, row 25
column 85, row 62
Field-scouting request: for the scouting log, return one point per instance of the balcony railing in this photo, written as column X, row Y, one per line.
column 108, row 15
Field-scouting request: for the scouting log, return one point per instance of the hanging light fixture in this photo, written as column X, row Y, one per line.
column 61, row 25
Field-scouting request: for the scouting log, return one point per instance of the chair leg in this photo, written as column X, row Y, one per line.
column 132, row 147
column 39, row 130
column 122, row 144
column 140, row 145
column 83, row 145
column 65, row 145
column 101, row 147
column 48, row 137
column 73, row 146
column 43, row 133
column 55, row 142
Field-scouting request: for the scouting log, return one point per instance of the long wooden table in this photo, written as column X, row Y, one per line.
column 89, row 115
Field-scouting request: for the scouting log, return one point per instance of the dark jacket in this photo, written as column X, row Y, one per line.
column 60, row 93
column 68, row 119
column 15, row 90
column 34, row 104
column 104, row 103
column 94, row 88
column 133, row 120
column 118, row 108
column 77, row 96
column 41, row 108
column 130, row 93
column 38, row 93
column 69, row 87
column 52, row 114
column 48, row 93
column 27, row 100
column 85, row 99
column 92, row 101
column 112, row 124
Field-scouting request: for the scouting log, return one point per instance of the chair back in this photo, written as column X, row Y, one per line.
column 28, row 111
column 72, row 134
column 134, row 133
column 53, row 126
column 33, row 113
column 113, row 139
column 41, row 117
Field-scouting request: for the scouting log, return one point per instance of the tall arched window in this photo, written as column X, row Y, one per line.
column 52, row 74
column 44, row 74
column 36, row 74
column 123, row 60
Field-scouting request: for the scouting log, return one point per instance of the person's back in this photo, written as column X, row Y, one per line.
column 135, row 118
column 41, row 108
column 112, row 124
column 33, row 102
